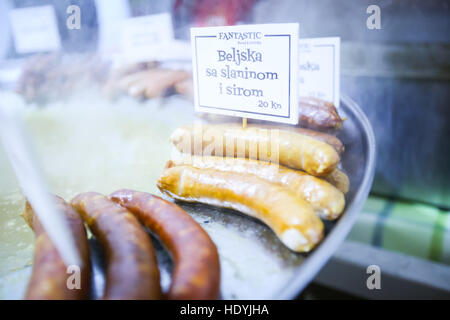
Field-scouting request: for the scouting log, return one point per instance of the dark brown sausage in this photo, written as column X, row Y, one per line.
column 132, row 271
column 313, row 113
column 318, row 114
column 197, row 270
column 49, row 276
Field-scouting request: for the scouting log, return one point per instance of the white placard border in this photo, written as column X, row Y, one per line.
column 240, row 111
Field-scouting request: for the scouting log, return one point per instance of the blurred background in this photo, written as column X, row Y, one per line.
column 398, row 74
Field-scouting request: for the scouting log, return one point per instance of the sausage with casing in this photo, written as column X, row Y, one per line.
column 330, row 139
column 313, row 113
column 318, row 114
column 326, row 200
column 339, row 179
column 196, row 274
column 131, row 269
column 290, row 149
column 150, row 83
column 49, row 277
column 291, row 218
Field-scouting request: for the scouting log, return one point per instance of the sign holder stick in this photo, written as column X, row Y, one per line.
column 244, row 123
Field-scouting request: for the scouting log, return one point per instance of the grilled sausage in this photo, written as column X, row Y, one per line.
column 131, row 272
column 327, row 201
column 332, row 140
column 196, row 275
column 291, row 218
column 50, row 276
column 185, row 87
column 324, row 137
column 318, row 114
column 314, row 114
column 294, row 150
column 150, row 83
column 339, row 179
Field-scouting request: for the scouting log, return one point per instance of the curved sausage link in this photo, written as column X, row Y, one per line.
column 132, row 272
column 339, row 179
column 291, row 218
column 319, row 114
column 49, row 278
column 330, row 139
column 327, row 201
column 197, row 270
column 294, row 150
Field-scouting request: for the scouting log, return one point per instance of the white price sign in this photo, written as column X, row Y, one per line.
column 319, row 63
column 35, row 29
column 247, row 71
column 146, row 38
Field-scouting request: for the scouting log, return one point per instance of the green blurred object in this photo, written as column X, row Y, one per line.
column 412, row 228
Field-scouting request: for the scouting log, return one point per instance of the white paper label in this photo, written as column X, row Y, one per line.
column 319, row 63
column 35, row 29
column 146, row 38
column 247, row 71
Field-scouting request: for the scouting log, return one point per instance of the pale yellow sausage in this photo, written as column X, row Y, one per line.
column 289, row 148
column 339, row 179
column 291, row 218
column 326, row 200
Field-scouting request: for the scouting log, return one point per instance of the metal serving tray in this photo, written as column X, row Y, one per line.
column 113, row 150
